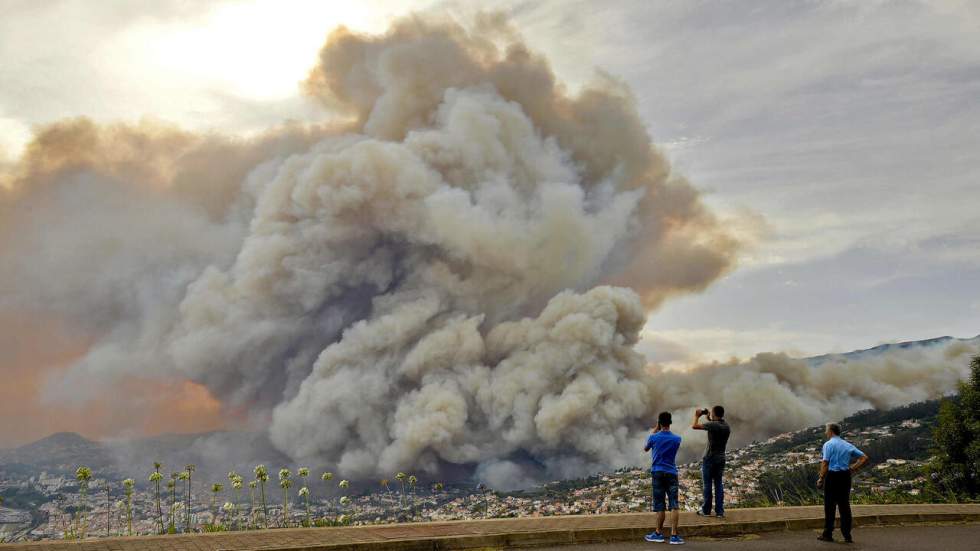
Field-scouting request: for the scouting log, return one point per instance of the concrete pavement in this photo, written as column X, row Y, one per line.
column 511, row 533
column 874, row 538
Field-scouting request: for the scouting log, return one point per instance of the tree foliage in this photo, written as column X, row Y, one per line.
column 876, row 417
column 792, row 486
column 956, row 468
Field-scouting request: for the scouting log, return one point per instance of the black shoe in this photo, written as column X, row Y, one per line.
column 703, row 514
column 822, row 537
column 848, row 540
column 720, row 515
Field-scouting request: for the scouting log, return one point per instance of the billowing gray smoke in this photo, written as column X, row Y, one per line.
column 773, row 393
column 474, row 194
column 425, row 285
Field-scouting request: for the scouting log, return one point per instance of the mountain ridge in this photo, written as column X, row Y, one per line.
column 886, row 347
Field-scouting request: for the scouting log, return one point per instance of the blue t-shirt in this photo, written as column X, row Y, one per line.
column 838, row 453
column 663, row 451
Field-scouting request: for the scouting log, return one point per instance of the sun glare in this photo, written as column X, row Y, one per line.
column 258, row 51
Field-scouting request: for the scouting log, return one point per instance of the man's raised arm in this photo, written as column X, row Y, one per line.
column 652, row 432
column 697, row 420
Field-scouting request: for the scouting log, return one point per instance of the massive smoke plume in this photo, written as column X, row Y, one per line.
column 425, row 285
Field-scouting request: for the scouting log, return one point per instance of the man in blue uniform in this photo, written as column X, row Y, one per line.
column 663, row 445
column 835, row 479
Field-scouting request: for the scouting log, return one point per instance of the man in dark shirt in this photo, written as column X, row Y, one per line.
column 713, row 465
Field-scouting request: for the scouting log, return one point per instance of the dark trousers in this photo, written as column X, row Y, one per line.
column 837, row 495
column 712, row 469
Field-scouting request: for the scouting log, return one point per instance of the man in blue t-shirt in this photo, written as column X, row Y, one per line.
column 663, row 445
column 836, row 469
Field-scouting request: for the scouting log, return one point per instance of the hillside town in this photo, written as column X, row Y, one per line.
column 60, row 510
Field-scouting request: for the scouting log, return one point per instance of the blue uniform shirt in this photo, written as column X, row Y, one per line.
column 838, row 453
column 663, row 447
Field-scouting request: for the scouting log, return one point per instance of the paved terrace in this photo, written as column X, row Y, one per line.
column 509, row 533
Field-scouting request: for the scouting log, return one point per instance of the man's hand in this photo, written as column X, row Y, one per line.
column 696, row 424
column 655, row 429
column 858, row 464
column 824, row 469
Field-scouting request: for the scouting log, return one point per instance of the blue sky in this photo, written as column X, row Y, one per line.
column 847, row 130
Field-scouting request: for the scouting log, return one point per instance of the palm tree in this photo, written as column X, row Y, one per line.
column 304, row 493
column 262, row 475
column 230, row 509
column 155, row 478
column 215, row 490
column 184, row 476
column 172, row 486
column 237, row 482
column 400, row 477
column 326, row 478
column 304, row 473
column 343, row 485
column 412, row 481
column 128, row 485
column 285, row 483
column 189, row 469
column 82, row 475
column 437, row 489
column 387, row 492
column 486, row 501
column 344, row 502
column 251, row 503
column 108, row 509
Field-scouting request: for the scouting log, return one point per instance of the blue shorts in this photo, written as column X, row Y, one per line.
column 664, row 491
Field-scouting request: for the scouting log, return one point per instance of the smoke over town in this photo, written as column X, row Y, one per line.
column 455, row 274
column 773, row 393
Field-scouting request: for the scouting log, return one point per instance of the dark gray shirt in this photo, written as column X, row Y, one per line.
column 718, row 433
